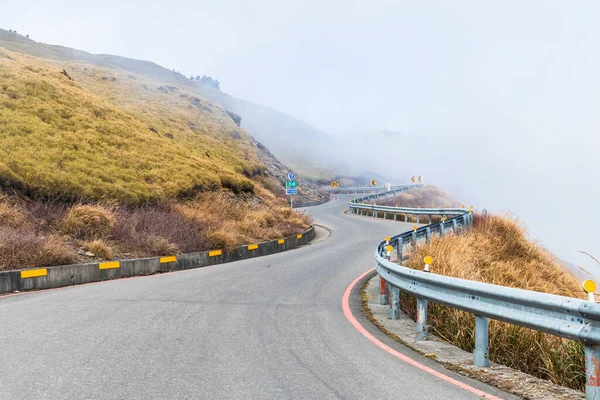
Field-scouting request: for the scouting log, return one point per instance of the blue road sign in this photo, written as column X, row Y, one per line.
column 291, row 176
column 291, row 191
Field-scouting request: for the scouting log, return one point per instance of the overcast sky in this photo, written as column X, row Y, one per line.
column 519, row 78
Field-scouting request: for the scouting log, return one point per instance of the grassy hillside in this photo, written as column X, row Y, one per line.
column 310, row 152
column 108, row 163
column 61, row 139
column 497, row 250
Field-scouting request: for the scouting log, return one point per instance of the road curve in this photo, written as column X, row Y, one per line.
column 265, row 328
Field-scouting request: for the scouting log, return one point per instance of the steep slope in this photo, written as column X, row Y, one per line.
column 310, row 152
column 101, row 158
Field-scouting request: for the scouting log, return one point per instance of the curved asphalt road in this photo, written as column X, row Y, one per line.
column 267, row 328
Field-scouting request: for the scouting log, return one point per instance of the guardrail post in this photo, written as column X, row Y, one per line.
column 442, row 228
column 395, row 216
column 385, row 215
column 383, row 295
column 418, row 219
column 429, row 219
column 374, row 214
column 481, row 357
column 427, row 234
column 454, row 225
column 405, row 217
column 399, row 248
column 592, row 372
column 395, row 308
column 422, row 327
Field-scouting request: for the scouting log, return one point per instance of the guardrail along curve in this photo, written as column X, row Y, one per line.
column 562, row 316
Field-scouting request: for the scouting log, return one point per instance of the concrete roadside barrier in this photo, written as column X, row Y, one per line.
column 68, row 275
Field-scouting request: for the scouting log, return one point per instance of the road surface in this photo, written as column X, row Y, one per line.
column 266, row 328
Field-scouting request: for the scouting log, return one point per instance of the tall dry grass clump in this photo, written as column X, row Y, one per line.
column 89, row 222
column 497, row 250
column 10, row 215
column 99, row 248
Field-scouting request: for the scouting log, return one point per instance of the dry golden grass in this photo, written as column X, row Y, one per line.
column 88, row 222
column 10, row 215
column 109, row 134
column 242, row 222
column 100, row 248
column 178, row 173
column 497, row 250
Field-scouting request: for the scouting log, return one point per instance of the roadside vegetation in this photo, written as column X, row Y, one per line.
column 497, row 250
column 428, row 196
column 425, row 197
column 98, row 163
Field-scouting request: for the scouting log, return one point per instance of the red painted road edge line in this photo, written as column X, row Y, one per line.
column 348, row 314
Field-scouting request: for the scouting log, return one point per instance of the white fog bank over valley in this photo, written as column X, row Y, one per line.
column 496, row 103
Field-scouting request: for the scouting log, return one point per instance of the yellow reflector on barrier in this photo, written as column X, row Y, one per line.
column 215, row 253
column 428, row 260
column 589, row 286
column 281, row 241
column 390, row 248
column 109, row 265
column 415, row 228
column 253, row 247
column 299, row 236
column 168, row 259
column 33, row 273
column 387, row 239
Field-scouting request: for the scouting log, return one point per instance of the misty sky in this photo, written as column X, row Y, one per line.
column 516, row 82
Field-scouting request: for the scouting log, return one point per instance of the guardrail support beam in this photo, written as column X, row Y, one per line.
column 481, row 357
column 418, row 219
column 383, row 295
column 422, row 327
column 405, row 217
column 592, row 372
column 428, row 233
column 429, row 219
column 395, row 304
column 399, row 248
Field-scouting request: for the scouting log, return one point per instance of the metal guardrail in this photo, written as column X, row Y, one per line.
column 566, row 317
column 362, row 189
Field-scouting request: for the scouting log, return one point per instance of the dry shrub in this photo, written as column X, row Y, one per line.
column 157, row 230
column 244, row 221
column 497, row 250
column 209, row 221
column 221, row 240
column 100, row 249
column 89, row 222
column 157, row 246
column 56, row 251
column 10, row 215
column 24, row 249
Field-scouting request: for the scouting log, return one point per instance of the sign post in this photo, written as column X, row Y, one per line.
column 291, row 187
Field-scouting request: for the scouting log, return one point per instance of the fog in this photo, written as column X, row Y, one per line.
column 496, row 103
